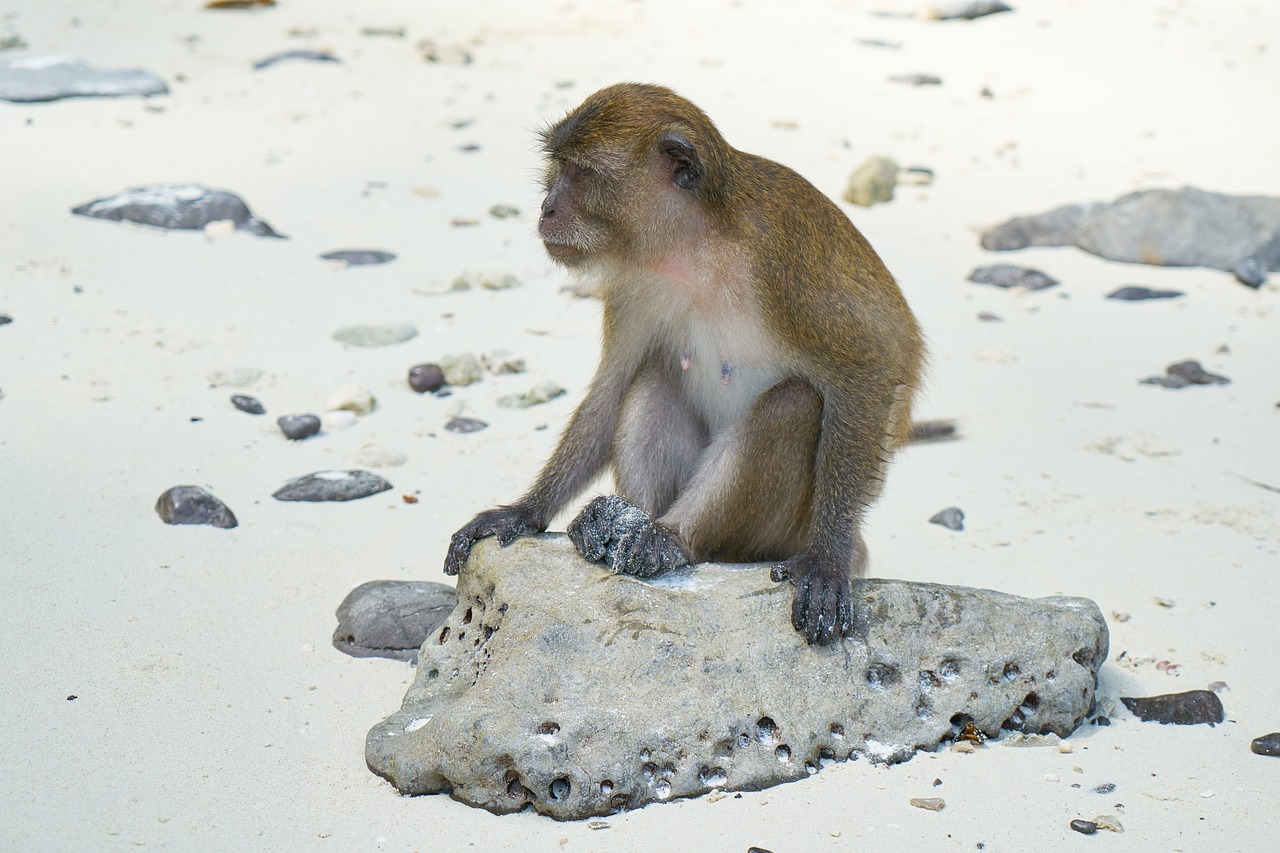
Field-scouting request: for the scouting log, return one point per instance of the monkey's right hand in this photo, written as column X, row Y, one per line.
column 506, row 523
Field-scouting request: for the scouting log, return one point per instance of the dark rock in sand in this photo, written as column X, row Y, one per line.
column 187, row 207
column 5, row 319
column 1179, row 228
column 47, row 78
column 1183, row 709
column 424, row 378
column 1008, row 275
column 966, row 10
column 1084, row 827
column 1267, row 744
column 391, row 619
column 1186, row 373
column 298, row 427
column 465, row 425
column 247, row 404
column 1137, row 293
column 193, row 505
column 332, row 486
column 916, row 79
column 292, row 55
column 951, row 518
column 603, row 692
column 1250, row 272
column 360, row 257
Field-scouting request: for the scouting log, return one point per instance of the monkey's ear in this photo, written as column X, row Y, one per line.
column 687, row 173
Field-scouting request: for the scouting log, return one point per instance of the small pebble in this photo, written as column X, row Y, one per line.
column 1137, row 293
column 951, row 518
column 964, row 9
column 933, row 804
column 359, row 257
column 1106, row 788
column 1051, row 777
column 193, row 505
column 465, row 425
column 916, row 79
column 332, row 486
column 1186, row 373
column 963, row 746
column 872, row 182
column 247, row 404
column 235, row 377
column 1267, row 744
column 375, row 335
column 352, row 398
column 426, row 377
column 339, row 419
column 1207, row 794
column 990, row 317
column 5, row 319
column 303, row 55
column 537, row 395
column 461, row 369
column 1183, row 709
column 298, row 427
column 1009, row 276
column 1108, row 822
column 501, row 362
column 503, row 211
column 1066, row 747
column 1250, row 272
column 1084, row 827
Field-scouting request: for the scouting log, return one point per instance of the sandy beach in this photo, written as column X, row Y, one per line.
column 175, row 687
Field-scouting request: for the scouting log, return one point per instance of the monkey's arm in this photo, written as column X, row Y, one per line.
column 583, row 451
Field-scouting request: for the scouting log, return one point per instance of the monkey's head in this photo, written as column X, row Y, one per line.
column 628, row 171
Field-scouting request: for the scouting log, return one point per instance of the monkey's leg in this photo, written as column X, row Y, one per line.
column 751, row 496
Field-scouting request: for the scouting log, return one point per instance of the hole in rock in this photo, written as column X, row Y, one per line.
column 766, row 729
column 1084, row 657
column 444, row 635
column 958, row 723
column 928, row 680
column 949, row 668
column 743, row 741
column 489, row 631
column 462, row 635
column 619, row 800
column 825, row 757
column 606, row 787
column 1031, row 703
column 722, row 749
column 466, row 617
column 549, row 728
column 515, row 789
column 433, row 673
column 662, row 789
column 881, row 675
column 810, row 768
column 783, row 752
column 837, row 730
column 1011, row 671
column 712, row 777
column 645, row 754
column 559, row 789
column 650, row 772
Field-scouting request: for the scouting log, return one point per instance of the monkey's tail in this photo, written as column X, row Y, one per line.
column 923, row 432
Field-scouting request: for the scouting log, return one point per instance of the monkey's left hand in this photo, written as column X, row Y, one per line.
column 823, row 606
column 506, row 523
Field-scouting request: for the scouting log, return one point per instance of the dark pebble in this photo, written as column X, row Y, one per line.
column 426, row 377
column 1251, row 272
column 1106, row 788
column 193, row 505
column 1137, row 293
column 247, row 404
column 465, row 425
column 1183, row 709
column 1084, row 827
column 5, row 319
column 1267, row 744
column 1008, row 275
column 391, row 619
column 1185, row 373
column 951, row 518
column 758, row 850
column 360, row 257
column 332, row 486
column 298, row 427
column 916, row 79
column 73, row 697
column 304, row 55
column 1101, row 721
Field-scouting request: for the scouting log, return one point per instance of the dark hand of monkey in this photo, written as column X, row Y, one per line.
column 506, row 523
column 620, row 534
column 823, row 606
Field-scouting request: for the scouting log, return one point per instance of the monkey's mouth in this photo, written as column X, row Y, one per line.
column 563, row 252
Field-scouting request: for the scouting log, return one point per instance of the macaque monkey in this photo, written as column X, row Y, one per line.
column 758, row 359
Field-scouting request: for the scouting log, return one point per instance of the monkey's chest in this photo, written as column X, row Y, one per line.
column 723, row 367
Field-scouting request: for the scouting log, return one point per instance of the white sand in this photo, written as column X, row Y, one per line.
column 214, row 715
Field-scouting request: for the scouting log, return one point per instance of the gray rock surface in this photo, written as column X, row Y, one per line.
column 391, row 619
column 558, row 685
column 359, row 257
column 1177, row 228
column 1010, row 276
column 28, row 79
column 188, row 207
column 332, row 486
column 193, row 505
column 376, row 334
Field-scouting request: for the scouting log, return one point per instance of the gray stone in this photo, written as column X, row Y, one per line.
column 1186, row 373
column 48, row 78
column 332, row 486
column 1250, row 272
column 193, row 505
column 1266, row 744
column 1179, row 228
column 1182, row 709
column 966, row 10
column 916, row 79
column 185, row 207
column 951, row 518
column 391, row 619
column 426, row 377
column 461, row 369
column 872, row 182
column 359, row 257
column 1138, row 293
column 558, row 685
column 465, row 425
column 298, row 427
column 1009, row 276
column 294, row 55
column 542, row 393
column 376, row 335
column 247, row 404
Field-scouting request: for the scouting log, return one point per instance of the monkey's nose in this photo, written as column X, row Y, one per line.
column 548, row 208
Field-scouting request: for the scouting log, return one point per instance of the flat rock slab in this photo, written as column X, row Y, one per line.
column 32, row 79
column 1176, row 228
column 187, row 207
column 391, row 619
column 559, row 686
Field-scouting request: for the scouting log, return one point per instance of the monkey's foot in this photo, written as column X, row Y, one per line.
column 620, row 534
column 506, row 523
column 823, row 605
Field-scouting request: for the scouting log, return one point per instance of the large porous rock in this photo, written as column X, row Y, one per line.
column 559, row 686
column 1176, row 228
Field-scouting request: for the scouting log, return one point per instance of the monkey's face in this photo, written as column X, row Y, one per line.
column 574, row 223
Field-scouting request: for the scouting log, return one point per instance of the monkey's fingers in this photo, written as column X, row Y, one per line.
column 459, row 551
column 588, row 535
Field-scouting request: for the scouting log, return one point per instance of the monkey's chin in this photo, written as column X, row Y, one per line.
column 563, row 253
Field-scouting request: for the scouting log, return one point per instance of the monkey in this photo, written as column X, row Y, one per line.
column 758, row 360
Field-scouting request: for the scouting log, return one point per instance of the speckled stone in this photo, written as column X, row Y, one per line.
column 193, row 505
column 332, row 486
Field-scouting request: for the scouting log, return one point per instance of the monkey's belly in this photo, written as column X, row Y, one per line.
column 721, row 392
